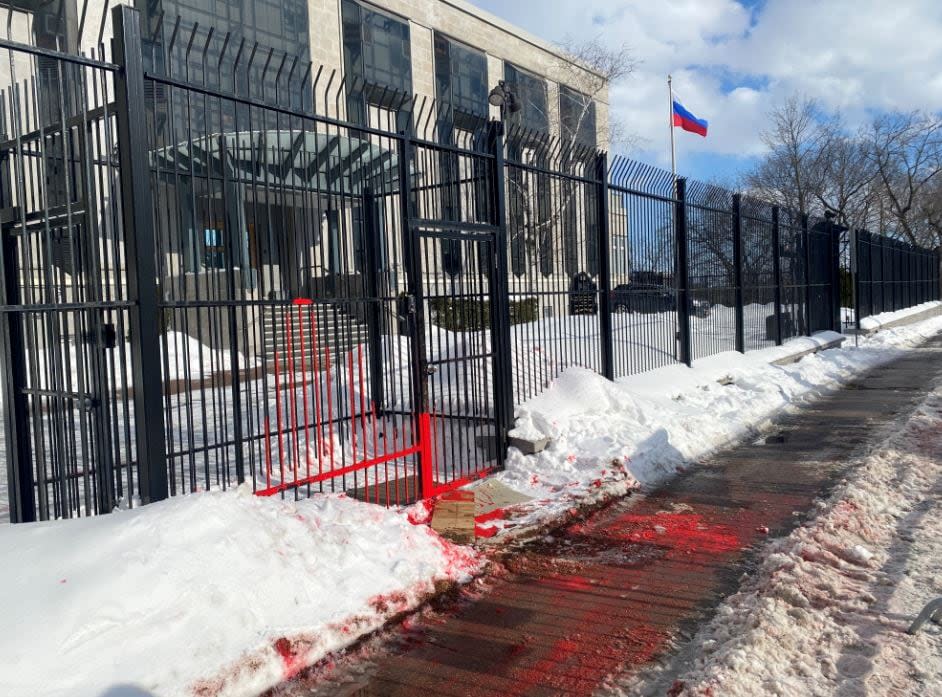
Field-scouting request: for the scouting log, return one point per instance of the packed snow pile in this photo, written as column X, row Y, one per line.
column 827, row 612
column 221, row 593
column 884, row 318
column 608, row 438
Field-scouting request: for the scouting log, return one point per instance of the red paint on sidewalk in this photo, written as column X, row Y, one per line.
column 568, row 612
column 607, row 595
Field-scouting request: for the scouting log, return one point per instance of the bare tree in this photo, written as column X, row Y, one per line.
column 793, row 172
column 814, row 165
column 847, row 184
column 544, row 210
column 906, row 150
column 594, row 68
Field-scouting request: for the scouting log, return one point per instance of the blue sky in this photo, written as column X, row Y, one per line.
column 734, row 60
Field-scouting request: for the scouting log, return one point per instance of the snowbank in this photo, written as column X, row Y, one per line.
column 827, row 612
column 611, row 437
column 875, row 322
column 210, row 594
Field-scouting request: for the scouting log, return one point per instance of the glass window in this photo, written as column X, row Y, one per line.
column 461, row 81
column 577, row 116
column 377, row 60
column 280, row 28
column 530, row 91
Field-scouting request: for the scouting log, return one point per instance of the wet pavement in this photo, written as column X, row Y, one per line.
column 610, row 594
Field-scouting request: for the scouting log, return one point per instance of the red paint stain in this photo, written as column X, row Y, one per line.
column 678, row 532
column 482, row 530
column 421, row 513
column 485, row 530
column 389, row 603
column 458, row 495
column 292, row 663
column 570, row 583
column 496, row 514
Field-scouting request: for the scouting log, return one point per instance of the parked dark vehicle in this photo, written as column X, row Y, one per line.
column 650, row 298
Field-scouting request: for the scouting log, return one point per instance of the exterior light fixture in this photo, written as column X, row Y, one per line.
column 504, row 98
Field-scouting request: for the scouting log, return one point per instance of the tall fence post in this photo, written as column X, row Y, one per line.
column 373, row 309
column 737, row 274
column 834, row 241
column 503, row 371
column 232, row 254
column 682, row 281
column 855, row 271
column 20, row 481
column 777, row 275
column 937, row 275
column 605, row 269
column 882, row 273
column 806, row 241
column 141, row 254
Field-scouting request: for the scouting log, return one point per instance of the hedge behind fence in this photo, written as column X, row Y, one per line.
column 463, row 315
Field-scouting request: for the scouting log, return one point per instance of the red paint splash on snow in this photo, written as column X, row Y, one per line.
column 292, row 662
column 485, row 531
column 421, row 512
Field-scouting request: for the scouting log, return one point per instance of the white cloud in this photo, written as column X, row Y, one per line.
column 731, row 64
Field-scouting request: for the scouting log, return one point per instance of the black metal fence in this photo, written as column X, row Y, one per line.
column 891, row 274
column 210, row 276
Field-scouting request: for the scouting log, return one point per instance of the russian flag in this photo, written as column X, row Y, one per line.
column 688, row 121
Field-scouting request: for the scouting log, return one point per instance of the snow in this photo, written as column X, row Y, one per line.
column 221, row 593
column 827, row 611
column 609, row 438
column 182, row 357
column 877, row 321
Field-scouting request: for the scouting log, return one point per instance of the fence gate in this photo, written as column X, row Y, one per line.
column 457, row 302
column 65, row 302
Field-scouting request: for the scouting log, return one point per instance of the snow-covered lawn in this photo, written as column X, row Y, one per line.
column 611, row 437
column 223, row 593
column 827, row 612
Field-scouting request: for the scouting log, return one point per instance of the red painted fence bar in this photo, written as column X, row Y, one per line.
column 330, row 435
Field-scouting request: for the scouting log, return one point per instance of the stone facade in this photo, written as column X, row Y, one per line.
column 463, row 22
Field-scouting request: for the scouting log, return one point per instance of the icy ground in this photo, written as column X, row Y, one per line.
column 212, row 594
column 827, row 612
column 609, row 438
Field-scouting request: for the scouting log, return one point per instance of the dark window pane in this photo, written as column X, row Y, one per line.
column 577, row 116
column 281, row 27
column 377, row 60
column 530, row 91
column 461, row 83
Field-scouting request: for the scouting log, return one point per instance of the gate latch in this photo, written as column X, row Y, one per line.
column 109, row 336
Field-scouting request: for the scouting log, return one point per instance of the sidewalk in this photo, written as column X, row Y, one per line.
column 611, row 594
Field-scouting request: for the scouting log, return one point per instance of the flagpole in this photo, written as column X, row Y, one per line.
column 670, row 121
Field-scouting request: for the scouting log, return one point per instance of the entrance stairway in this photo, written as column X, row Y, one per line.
column 320, row 328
